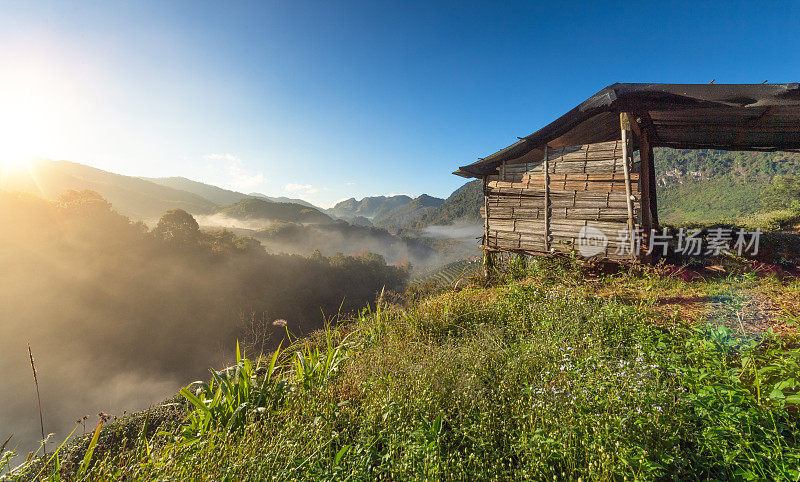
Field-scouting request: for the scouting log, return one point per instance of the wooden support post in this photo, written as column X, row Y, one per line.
column 488, row 262
column 651, row 183
column 647, row 188
column 546, row 167
column 487, row 257
column 625, row 128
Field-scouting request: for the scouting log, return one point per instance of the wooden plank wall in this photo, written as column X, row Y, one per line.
column 586, row 187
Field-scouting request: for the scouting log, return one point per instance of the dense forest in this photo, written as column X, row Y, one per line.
column 118, row 314
column 707, row 186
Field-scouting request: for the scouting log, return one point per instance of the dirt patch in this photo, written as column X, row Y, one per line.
column 690, row 307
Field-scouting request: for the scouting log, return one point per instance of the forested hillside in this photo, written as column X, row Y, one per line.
column 368, row 207
column 260, row 209
column 706, row 186
column 461, row 206
column 284, row 199
column 403, row 215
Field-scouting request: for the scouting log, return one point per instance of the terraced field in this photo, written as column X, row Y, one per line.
column 451, row 272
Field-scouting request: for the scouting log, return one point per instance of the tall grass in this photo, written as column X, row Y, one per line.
column 523, row 380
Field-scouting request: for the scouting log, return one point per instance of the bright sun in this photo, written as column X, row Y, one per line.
column 29, row 119
column 14, row 163
column 21, row 135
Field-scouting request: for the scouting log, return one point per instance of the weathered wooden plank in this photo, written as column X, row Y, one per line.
column 599, row 176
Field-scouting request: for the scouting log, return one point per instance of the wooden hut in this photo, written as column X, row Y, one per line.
column 586, row 181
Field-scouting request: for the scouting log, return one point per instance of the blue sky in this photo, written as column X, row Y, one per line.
column 328, row 100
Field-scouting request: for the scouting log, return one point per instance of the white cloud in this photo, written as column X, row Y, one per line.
column 306, row 188
column 241, row 178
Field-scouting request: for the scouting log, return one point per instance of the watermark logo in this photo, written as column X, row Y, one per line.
column 690, row 242
column 591, row 241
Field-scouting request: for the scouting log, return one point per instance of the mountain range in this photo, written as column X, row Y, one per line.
column 368, row 207
column 148, row 198
column 701, row 186
column 219, row 195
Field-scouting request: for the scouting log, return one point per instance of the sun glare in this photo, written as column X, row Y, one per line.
column 15, row 163
column 31, row 119
column 22, row 135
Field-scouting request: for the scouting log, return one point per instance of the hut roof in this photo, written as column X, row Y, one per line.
column 747, row 117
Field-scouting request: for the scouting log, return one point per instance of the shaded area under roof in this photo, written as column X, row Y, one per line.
column 743, row 117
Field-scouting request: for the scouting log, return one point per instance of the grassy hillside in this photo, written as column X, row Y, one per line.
column 132, row 196
column 676, row 165
column 258, row 209
column 558, row 375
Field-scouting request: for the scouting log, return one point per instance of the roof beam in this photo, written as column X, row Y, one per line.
column 647, row 124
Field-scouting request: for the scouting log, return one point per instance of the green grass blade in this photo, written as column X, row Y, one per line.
column 87, row 458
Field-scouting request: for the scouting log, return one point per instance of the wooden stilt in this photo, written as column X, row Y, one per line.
column 487, row 258
column 625, row 128
column 645, row 186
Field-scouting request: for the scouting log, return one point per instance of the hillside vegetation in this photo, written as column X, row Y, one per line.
column 706, row 186
column 463, row 206
column 553, row 374
column 402, row 215
column 260, row 209
column 368, row 207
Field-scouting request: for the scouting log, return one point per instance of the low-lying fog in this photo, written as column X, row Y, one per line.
column 451, row 242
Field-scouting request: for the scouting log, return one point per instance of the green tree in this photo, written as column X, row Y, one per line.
column 179, row 226
column 780, row 194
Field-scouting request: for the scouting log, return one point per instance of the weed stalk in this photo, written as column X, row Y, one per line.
column 38, row 398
